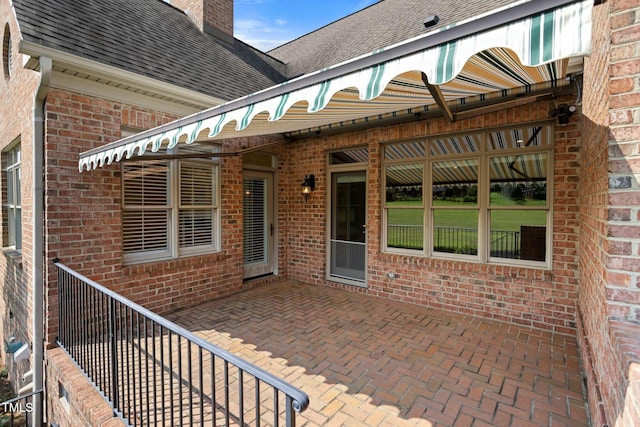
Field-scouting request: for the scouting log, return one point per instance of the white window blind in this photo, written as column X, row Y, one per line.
column 145, row 217
column 197, row 204
column 254, row 220
column 170, row 208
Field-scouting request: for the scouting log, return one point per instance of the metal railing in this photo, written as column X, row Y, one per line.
column 154, row 372
column 405, row 236
column 17, row 411
column 503, row 243
column 455, row 240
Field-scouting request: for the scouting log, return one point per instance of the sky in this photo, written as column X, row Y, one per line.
column 266, row 24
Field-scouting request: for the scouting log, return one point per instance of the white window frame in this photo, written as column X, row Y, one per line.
column 173, row 208
column 483, row 203
column 13, row 173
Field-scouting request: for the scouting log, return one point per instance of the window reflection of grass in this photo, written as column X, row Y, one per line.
column 510, row 220
column 405, row 216
column 411, row 214
column 410, row 233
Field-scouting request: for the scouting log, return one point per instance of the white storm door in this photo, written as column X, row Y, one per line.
column 258, row 226
column 348, row 248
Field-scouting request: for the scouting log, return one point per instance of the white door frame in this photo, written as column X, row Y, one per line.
column 331, row 169
column 271, row 229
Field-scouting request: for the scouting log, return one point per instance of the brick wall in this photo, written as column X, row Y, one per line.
column 305, row 220
column 80, row 404
column 16, row 104
column 609, row 299
column 544, row 299
column 83, row 213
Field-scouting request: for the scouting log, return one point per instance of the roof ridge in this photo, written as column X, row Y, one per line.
column 326, row 25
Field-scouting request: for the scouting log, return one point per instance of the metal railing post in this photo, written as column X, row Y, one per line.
column 115, row 395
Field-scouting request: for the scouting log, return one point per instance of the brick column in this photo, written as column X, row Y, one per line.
column 609, row 299
column 623, row 228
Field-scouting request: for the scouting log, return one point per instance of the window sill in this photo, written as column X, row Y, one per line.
column 164, row 256
column 466, row 264
column 169, row 263
column 13, row 256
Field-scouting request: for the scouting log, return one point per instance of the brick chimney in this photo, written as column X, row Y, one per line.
column 214, row 17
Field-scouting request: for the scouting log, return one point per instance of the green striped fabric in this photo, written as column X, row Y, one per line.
column 516, row 56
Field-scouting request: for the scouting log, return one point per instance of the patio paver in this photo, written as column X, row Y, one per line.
column 368, row 361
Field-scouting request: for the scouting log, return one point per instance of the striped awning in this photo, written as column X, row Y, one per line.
column 516, row 54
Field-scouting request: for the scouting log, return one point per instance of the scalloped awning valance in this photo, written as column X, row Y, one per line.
column 516, row 48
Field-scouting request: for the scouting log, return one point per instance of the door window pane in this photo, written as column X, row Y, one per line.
column 357, row 155
column 254, row 220
column 259, row 158
column 350, row 208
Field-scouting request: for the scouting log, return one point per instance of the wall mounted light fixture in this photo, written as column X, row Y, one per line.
column 308, row 185
column 562, row 112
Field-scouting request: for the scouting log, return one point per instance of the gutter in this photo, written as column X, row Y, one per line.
column 438, row 37
column 37, row 224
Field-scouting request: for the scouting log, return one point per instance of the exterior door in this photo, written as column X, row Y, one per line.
column 258, row 227
column 347, row 245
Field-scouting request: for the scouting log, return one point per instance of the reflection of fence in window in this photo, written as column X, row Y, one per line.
column 505, row 244
column 455, row 240
column 405, row 236
column 458, row 240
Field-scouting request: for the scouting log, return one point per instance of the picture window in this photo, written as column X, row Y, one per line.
column 479, row 196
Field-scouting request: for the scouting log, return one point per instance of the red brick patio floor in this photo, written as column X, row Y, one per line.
column 366, row 361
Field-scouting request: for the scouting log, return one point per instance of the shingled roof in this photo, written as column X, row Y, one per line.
column 151, row 38
column 379, row 25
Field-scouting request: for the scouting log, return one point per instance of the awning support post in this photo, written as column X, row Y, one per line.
column 436, row 93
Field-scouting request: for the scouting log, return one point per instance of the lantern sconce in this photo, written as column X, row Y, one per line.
column 308, row 185
column 562, row 112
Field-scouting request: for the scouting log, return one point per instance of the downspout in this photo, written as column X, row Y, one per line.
column 37, row 225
